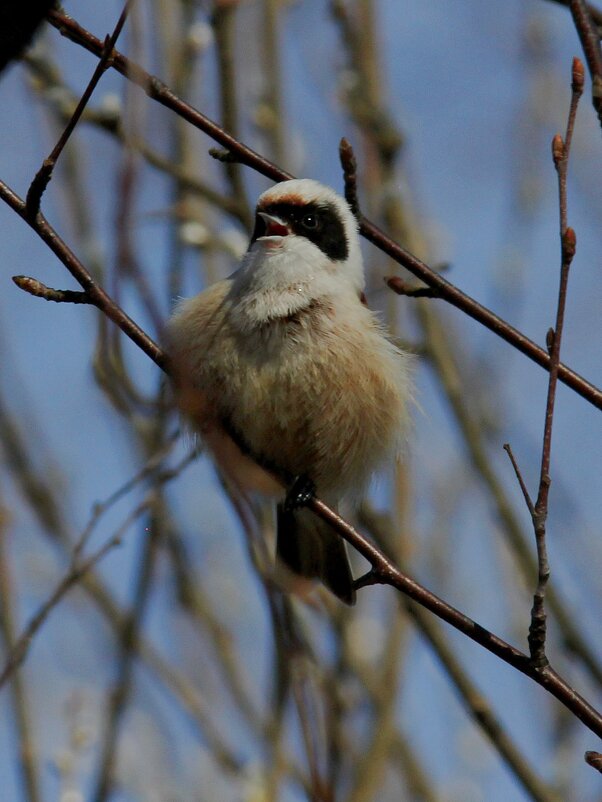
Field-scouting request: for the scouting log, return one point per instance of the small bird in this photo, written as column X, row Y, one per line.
column 283, row 367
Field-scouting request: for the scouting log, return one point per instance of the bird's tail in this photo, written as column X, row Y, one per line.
column 310, row 548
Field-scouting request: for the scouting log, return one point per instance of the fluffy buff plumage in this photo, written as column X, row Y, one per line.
column 285, row 354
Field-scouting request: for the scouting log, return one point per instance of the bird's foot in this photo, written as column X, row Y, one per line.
column 300, row 492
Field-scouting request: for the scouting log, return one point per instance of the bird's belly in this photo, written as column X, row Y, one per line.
column 315, row 410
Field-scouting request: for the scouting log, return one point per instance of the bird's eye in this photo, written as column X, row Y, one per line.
column 310, row 221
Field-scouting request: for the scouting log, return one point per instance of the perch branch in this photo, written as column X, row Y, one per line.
column 158, row 91
column 383, row 571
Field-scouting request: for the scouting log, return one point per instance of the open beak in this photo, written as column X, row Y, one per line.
column 274, row 226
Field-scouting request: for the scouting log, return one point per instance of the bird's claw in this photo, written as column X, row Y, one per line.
column 300, row 492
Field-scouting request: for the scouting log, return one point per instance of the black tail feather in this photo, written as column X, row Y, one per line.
column 310, row 548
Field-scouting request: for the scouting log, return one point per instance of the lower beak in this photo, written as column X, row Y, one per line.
column 274, row 226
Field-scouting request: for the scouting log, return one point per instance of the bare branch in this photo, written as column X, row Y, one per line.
column 97, row 295
column 73, row 576
column 162, row 94
column 384, row 572
column 539, row 514
column 39, row 290
column 78, row 568
column 590, row 40
column 44, row 174
column 476, row 704
column 401, row 287
column 520, row 479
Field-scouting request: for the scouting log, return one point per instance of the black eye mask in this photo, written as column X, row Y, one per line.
column 319, row 222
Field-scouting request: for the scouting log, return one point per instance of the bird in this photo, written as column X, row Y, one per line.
column 283, row 371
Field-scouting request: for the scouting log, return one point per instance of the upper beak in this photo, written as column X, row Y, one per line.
column 274, row 226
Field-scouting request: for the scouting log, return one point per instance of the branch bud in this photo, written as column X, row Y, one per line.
column 594, row 759
column 557, row 149
column 35, row 287
column 222, row 155
column 349, row 165
column 569, row 244
column 347, row 156
column 396, row 284
column 30, row 285
column 578, row 76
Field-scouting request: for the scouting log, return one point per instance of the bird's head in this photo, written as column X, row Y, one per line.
column 311, row 230
column 305, row 248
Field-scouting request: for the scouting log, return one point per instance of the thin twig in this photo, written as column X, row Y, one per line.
column 94, row 291
column 475, row 702
column 401, row 287
column 415, row 776
column 71, row 578
column 44, row 174
column 383, row 686
column 441, row 355
column 385, row 573
column 364, row 94
column 519, row 477
column 151, row 469
column 78, row 569
column 182, row 690
column 158, row 91
column 539, row 514
column 41, row 496
column 590, row 41
column 382, row 569
column 349, row 165
column 62, row 100
column 163, row 672
column 39, row 290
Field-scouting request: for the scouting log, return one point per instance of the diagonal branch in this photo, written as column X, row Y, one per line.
column 383, row 571
column 158, row 91
column 73, row 576
column 97, row 296
column 380, row 527
column 44, row 174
